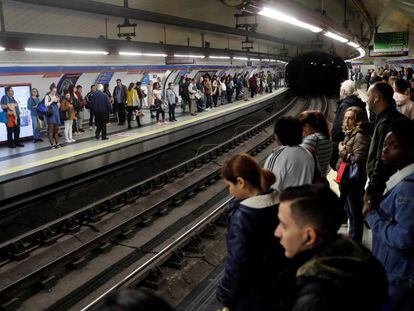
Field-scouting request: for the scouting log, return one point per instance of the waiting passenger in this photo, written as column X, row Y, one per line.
column 254, row 255
column 316, row 139
column 133, row 300
column 208, row 90
column 392, row 224
column 354, row 151
column 215, row 89
column 88, row 98
column 292, row 164
column 52, row 102
column 132, row 105
column 80, row 114
column 381, row 102
column 192, row 90
column 120, row 98
column 68, row 115
column 32, row 102
column 172, row 100
column 111, row 99
column 158, row 103
column 223, row 90
column 328, row 271
column 253, row 85
column 150, row 98
column 402, row 98
column 348, row 98
column 101, row 106
column 11, row 107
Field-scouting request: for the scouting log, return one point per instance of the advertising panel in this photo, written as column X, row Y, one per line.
column 21, row 94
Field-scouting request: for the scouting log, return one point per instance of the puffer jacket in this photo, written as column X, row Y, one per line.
column 67, row 105
column 356, row 148
column 340, row 276
column 404, row 105
column 254, row 254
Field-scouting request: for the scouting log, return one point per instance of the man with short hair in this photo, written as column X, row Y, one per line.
column 11, row 107
column 292, row 164
column 402, row 98
column 381, row 102
column 120, row 98
column 192, row 90
column 101, row 107
column 328, row 271
column 88, row 99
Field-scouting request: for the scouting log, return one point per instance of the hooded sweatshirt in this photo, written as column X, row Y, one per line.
column 404, row 105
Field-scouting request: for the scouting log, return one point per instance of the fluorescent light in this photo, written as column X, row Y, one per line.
column 353, row 44
column 240, row 58
column 2, row 48
column 190, row 56
column 265, row 59
column 142, row 54
column 66, row 51
column 275, row 14
column 255, row 59
column 335, row 37
column 273, row 60
column 219, row 57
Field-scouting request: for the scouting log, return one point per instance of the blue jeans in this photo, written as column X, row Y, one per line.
column 36, row 130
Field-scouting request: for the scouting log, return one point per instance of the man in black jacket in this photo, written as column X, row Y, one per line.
column 381, row 102
column 348, row 99
column 120, row 99
column 328, row 271
column 101, row 107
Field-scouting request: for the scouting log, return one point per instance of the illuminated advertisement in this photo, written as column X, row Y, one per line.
column 21, row 94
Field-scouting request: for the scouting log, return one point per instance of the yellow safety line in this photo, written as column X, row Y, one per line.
column 127, row 139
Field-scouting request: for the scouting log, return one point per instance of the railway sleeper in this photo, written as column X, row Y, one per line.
column 47, row 282
column 177, row 260
column 154, row 279
column 194, row 245
column 47, row 237
column 210, row 232
column 104, row 247
column 11, row 304
column 19, row 251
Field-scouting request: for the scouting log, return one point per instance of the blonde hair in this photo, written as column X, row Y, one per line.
column 361, row 119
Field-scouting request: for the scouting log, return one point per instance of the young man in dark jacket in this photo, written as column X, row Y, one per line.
column 101, row 107
column 328, row 271
column 381, row 102
column 120, row 98
column 349, row 99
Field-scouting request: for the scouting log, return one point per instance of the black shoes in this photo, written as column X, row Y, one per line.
column 19, row 145
column 105, row 138
column 11, row 146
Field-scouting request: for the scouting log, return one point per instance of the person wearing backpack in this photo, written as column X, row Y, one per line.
column 67, row 115
column 32, row 102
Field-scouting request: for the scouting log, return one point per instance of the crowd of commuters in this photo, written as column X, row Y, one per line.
column 284, row 250
column 126, row 103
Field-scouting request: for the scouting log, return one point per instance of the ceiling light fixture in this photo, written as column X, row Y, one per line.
column 353, row 44
column 142, row 54
column 275, row 14
column 219, row 57
column 66, row 51
column 240, row 58
column 335, row 37
column 189, row 56
column 255, row 59
column 2, row 48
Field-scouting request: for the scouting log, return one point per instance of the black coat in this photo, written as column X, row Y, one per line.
column 340, row 276
column 254, row 254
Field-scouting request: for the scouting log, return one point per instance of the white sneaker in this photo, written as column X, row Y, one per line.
column 90, row 128
column 72, row 140
column 68, row 141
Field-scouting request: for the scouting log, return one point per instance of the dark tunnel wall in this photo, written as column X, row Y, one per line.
column 316, row 73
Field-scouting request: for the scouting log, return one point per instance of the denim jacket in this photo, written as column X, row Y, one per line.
column 393, row 227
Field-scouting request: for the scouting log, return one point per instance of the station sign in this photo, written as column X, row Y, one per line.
column 391, row 42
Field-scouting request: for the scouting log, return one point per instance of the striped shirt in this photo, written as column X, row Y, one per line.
column 292, row 166
column 321, row 147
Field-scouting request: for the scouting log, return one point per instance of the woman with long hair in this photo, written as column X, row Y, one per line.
column 254, row 254
column 52, row 102
column 133, row 104
column 316, row 139
column 354, row 151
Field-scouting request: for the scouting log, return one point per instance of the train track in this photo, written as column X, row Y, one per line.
column 99, row 228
